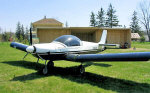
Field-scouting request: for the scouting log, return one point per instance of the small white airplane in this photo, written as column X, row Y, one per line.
column 71, row 48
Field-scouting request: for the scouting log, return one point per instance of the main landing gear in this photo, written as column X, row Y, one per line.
column 48, row 67
column 81, row 70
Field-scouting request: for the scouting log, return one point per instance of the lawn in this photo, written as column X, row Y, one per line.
column 22, row 76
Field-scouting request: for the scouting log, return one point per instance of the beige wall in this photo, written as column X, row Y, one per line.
column 48, row 35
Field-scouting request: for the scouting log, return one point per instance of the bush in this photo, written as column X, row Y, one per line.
column 25, row 41
column 142, row 39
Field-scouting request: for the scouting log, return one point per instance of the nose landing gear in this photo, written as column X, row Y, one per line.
column 48, row 66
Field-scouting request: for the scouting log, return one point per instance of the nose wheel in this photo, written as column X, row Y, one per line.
column 48, row 67
column 45, row 70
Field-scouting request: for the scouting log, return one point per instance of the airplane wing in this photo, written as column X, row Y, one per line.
column 19, row 46
column 137, row 56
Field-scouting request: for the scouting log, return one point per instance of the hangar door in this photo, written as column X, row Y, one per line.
column 85, row 36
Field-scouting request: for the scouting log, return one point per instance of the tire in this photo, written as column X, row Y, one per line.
column 50, row 64
column 81, row 70
column 45, row 70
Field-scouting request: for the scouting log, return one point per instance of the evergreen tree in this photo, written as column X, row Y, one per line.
column 135, row 28
column 111, row 19
column 0, row 30
column 66, row 24
column 0, row 34
column 5, row 36
column 22, row 32
column 101, row 18
column 93, row 20
column 18, row 30
column 26, row 33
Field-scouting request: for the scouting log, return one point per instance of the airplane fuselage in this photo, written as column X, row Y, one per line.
column 57, row 50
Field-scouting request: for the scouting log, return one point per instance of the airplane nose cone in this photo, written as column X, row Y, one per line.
column 30, row 49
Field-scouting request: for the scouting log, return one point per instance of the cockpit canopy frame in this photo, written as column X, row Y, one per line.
column 69, row 40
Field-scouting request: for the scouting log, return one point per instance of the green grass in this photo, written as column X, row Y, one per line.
column 18, row 76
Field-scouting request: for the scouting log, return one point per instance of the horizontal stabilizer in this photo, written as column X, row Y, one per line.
column 137, row 56
column 19, row 46
column 109, row 44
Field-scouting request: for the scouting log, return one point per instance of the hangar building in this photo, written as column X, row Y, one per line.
column 48, row 29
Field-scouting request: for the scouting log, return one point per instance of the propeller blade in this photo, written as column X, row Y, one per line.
column 25, row 55
column 30, row 36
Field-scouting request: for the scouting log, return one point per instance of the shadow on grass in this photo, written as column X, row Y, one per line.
column 25, row 64
column 98, row 64
column 105, row 82
column 36, row 66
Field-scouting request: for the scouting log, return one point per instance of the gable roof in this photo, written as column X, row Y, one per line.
column 47, row 21
column 135, row 35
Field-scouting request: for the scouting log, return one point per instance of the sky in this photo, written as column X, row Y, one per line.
column 75, row 12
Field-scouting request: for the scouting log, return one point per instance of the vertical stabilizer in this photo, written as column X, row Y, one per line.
column 103, row 37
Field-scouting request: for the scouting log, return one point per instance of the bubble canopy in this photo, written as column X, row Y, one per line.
column 69, row 40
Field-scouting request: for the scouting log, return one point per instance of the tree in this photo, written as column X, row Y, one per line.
column 93, row 20
column 18, row 30
column 5, row 36
column 0, row 30
column 66, row 24
column 101, row 18
column 135, row 28
column 0, row 34
column 22, row 32
column 111, row 19
column 142, row 39
column 26, row 33
column 145, row 16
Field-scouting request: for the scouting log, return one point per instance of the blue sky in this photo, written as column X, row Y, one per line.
column 75, row 12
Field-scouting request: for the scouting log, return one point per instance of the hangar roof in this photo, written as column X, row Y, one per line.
column 47, row 21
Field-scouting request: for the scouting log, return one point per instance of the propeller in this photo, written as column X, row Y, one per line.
column 30, row 36
column 31, row 49
column 29, row 43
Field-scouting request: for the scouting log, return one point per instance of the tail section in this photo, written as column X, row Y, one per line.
column 103, row 37
column 102, row 42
